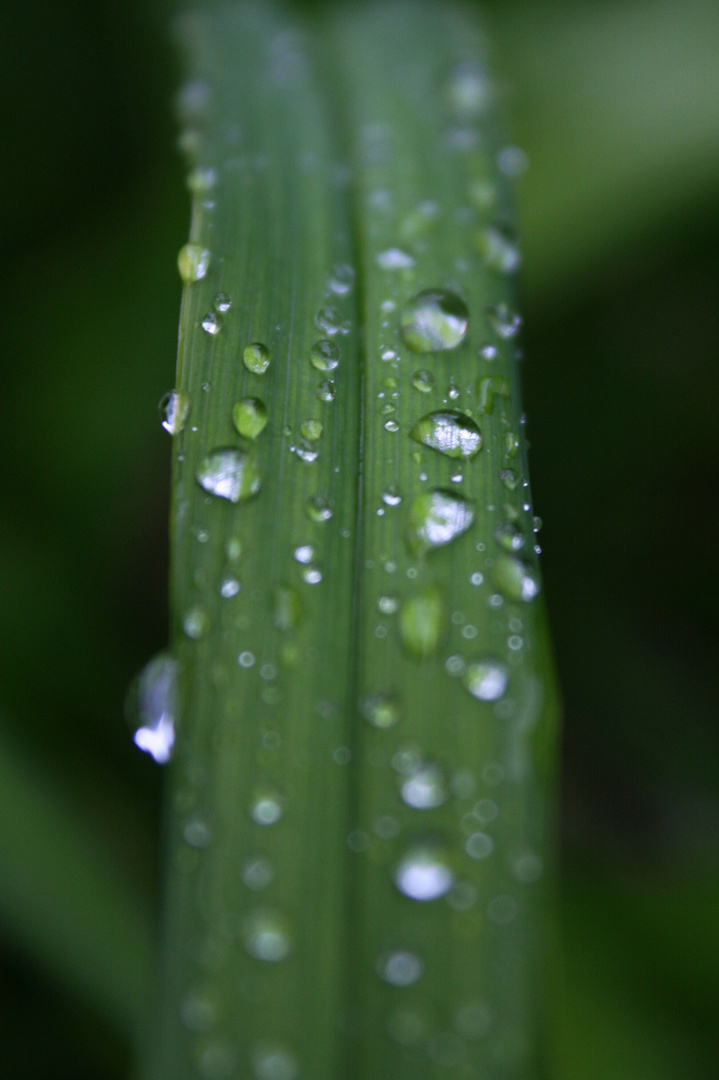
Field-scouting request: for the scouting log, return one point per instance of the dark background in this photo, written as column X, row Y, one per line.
column 618, row 108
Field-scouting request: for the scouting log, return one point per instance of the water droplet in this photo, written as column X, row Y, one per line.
column 174, row 409
column 509, row 536
column 503, row 320
column 400, row 968
column 482, row 192
column 306, row 451
column 257, row 873
column 479, row 845
column 394, row 259
column 381, row 709
column 229, row 474
column 196, row 623
column 436, row 518
column 488, row 352
column 421, row 622
column 509, row 478
column 450, row 433
column 325, row 356
column 341, row 279
column 391, row 425
column 222, row 302
column 305, row 553
column 250, row 417
column 391, row 496
column 425, row 788
column 512, row 161
column 151, row 707
column 265, row 936
column 486, row 679
column 498, row 250
column 468, row 89
column 197, row 833
column 311, row 429
column 388, row 605
column 326, row 390
column 246, row 659
column 487, row 388
column 511, row 444
column 515, row 579
column 434, row 320
column 193, row 262
column 536, row 523
column 272, row 1062
column 328, row 320
column 211, row 323
column 318, row 508
column 312, row 575
column 287, row 608
column 423, row 381
column 424, row 872
column 230, row 587
column 256, row 358
column 267, row 808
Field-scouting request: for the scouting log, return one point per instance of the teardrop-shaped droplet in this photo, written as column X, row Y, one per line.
column 250, row 417
column 325, row 355
column 424, row 873
column 450, row 433
column 229, row 474
column 256, row 358
column 193, row 262
column 434, row 320
column 265, row 936
column 515, row 579
column 381, row 709
column 486, row 679
column 503, row 320
column 174, row 408
column 421, row 620
column 436, row 518
column 151, row 707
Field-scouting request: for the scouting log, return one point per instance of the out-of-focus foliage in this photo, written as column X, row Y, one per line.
column 618, row 107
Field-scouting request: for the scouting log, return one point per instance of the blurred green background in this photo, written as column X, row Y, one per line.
column 617, row 105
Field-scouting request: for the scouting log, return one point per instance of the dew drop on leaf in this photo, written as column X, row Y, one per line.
column 423, row 381
column 425, row 788
column 211, row 323
column 381, row 709
column 311, row 429
column 326, row 390
column 421, row 620
column 325, row 356
column 503, row 320
column 270, row 1061
column 450, row 433
column 256, row 358
column 515, row 579
column 151, row 707
column 434, row 320
column 424, row 872
column 265, row 936
column 436, row 518
column 399, row 968
column 486, row 679
column 174, row 408
column 229, row 474
column 250, row 417
column 193, row 262
column 222, row 302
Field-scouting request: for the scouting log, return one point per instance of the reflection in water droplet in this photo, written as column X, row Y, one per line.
column 196, row 623
column 265, row 936
column 256, row 358
column 400, row 968
column 250, row 417
column 424, row 873
column 151, row 707
column 509, row 536
column 211, row 323
column 394, row 259
column 193, row 262
column 450, row 433
column 425, row 788
column 326, row 390
column 436, row 518
column 222, row 302
column 423, row 381
column 257, row 873
column 287, row 607
column 434, row 320
column 486, row 679
column 306, row 451
column 325, row 356
column 391, row 425
column 174, row 409
column 318, row 508
column 381, row 709
column 503, row 320
column 273, row 1062
column 311, row 429
column 267, row 808
column 328, row 320
column 421, row 621
column 498, row 250
column 341, row 279
column 516, row 580
column 229, row 474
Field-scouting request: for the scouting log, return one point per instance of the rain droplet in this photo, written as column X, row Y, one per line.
column 193, row 262
column 425, row 788
column 498, row 250
column 196, row 623
column 222, row 302
column 265, row 936
column 211, row 323
column 250, row 417
column 151, row 707
column 479, row 845
column 381, row 709
column 450, row 433
column 174, row 409
column 434, row 320
column 311, row 429
column 503, row 320
column 400, row 968
column 272, row 1062
column 312, row 575
column 436, row 518
column 512, row 161
column 318, row 508
column 328, row 320
column 267, row 808
column 287, row 607
column 486, row 679
column 229, row 474
column 424, row 873
column 509, row 536
column 325, row 356
column 256, row 358
column 326, row 390
column 421, row 621
column 423, row 381
column 515, row 579
column 394, row 259
column 341, row 279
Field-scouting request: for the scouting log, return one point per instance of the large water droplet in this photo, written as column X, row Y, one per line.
column 381, row 709
column 450, row 433
column 486, row 679
column 425, row 787
column 151, row 707
column 400, row 968
column 498, row 250
column 424, row 872
column 421, row 622
column 265, row 936
column 174, row 409
column 229, row 474
column 436, row 518
column 515, row 579
column 325, row 356
column 256, row 358
column 250, row 417
column 434, row 320
column 193, row 262
column 270, row 1061
column 503, row 320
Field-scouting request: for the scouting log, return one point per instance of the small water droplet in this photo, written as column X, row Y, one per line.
column 388, row 605
column 265, row 936
column 174, row 409
column 197, row 833
column 230, row 587
column 151, row 707
column 250, row 417
column 536, row 523
column 509, row 536
column 499, row 251
column 468, row 89
column 318, row 508
column 423, row 381
column 211, row 323
column 381, row 709
column 421, row 620
column 311, row 429
column 436, row 518
column 287, row 608
column 394, row 259
column 326, row 390
column 479, row 845
column 270, row 1061
column 246, row 659
column 509, row 478
column 424, row 873
column 306, row 451
column 305, row 553
column 257, row 873
column 312, row 575
column 391, row 496
column 503, row 320
column 487, row 388
column 267, row 808
column 229, row 474
column 515, row 579
column 196, row 623
column 341, row 279
column 450, row 433
column 256, row 357
column 193, row 262
column 328, row 320
column 222, row 302
column 325, row 356
column 392, row 426
column 400, row 968
column 488, row 352
column 425, row 788
column 511, row 444
column 486, row 679
column 201, row 180
column 434, row 320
